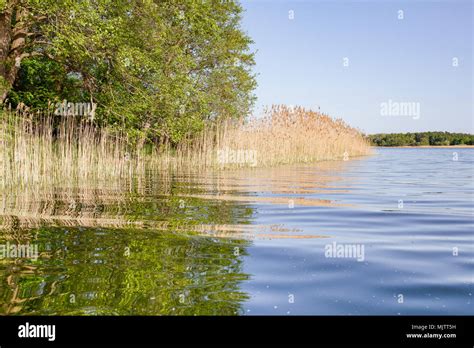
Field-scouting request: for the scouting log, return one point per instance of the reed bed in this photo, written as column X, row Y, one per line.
column 288, row 135
column 44, row 150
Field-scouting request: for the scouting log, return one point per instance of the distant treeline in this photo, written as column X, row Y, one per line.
column 420, row 139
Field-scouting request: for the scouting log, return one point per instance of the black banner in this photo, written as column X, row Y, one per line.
column 224, row 331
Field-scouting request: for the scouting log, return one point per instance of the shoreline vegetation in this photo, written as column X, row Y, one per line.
column 422, row 139
column 430, row 146
column 118, row 92
column 51, row 150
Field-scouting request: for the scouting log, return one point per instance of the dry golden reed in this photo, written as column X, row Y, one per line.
column 288, row 135
column 41, row 150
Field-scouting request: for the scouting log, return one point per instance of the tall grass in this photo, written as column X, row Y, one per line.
column 288, row 135
column 34, row 151
column 42, row 150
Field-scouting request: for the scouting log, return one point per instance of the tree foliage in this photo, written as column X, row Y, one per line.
column 159, row 68
column 420, row 139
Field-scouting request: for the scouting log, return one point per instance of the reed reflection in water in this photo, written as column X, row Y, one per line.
column 247, row 241
column 159, row 243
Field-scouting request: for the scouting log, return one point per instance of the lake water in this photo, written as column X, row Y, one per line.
column 389, row 234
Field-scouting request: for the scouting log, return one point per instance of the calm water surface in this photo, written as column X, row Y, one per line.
column 251, row 241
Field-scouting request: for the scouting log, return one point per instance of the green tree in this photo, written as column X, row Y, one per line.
column 159, row 68
column 41, row 82
column 419, row 139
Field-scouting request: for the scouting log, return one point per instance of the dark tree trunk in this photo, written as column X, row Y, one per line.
column 5, row 41
column 13, row 33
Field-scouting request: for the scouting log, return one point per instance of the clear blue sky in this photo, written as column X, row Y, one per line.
column 300, row 61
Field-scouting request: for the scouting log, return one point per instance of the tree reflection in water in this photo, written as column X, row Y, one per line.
column 85, row 271
column 158, row 244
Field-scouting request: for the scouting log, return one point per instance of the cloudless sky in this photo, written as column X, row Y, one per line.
column 300, row 61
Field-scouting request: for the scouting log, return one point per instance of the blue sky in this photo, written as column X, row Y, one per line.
column 300, row 61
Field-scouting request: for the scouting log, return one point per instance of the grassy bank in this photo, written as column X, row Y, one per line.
column 44, row 149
